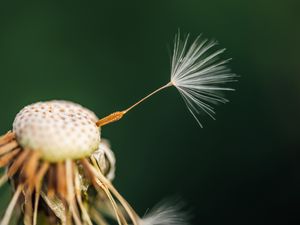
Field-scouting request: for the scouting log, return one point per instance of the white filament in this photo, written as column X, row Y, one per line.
column 10, row 209
column 199, row 75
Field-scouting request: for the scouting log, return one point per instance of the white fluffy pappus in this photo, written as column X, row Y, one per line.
column 199, row 74
column 167, row 212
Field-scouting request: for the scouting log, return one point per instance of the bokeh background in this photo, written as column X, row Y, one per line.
column 243, row 168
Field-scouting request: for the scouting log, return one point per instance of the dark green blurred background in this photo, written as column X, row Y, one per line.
column 243, row 168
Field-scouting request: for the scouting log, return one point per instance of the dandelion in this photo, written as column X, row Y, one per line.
column 55, row 156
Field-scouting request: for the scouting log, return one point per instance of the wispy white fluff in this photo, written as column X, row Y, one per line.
column 167, row 212
column 199, row 74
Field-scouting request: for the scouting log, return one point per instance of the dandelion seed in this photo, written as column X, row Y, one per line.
column 55, row 153
column 197, row 73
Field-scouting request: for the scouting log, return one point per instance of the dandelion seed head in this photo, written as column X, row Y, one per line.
column 57, row 129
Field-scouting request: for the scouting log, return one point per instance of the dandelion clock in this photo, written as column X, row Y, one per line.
column 54, row 155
